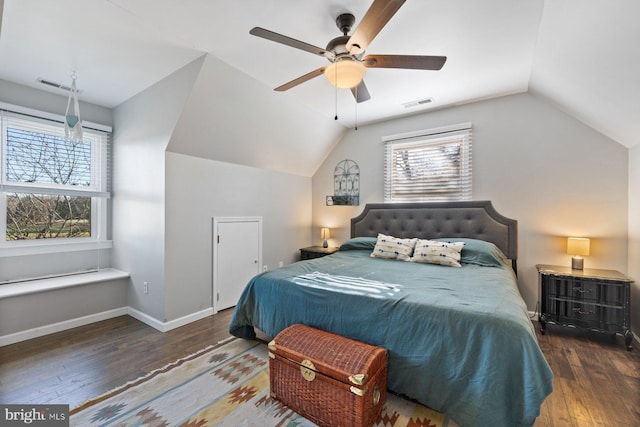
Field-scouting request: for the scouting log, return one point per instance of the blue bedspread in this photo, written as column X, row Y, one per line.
column 459, row 339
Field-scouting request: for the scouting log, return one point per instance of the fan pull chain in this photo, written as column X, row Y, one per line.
column 356, row 93
column 336, row 94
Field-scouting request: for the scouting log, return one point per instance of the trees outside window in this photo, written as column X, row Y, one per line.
column 51, row 187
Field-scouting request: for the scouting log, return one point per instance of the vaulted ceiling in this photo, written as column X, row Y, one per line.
column 582, row 55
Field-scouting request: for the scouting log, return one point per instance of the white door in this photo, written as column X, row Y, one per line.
column 237, row 254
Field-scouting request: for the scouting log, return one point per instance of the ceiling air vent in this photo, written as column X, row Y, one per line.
column 418, row 102
column 54, row 84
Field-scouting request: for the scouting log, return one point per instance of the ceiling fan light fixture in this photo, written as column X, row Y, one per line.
column 345, row 73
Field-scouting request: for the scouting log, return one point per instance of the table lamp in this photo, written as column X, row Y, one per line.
column 578, row 247
column 324, row 233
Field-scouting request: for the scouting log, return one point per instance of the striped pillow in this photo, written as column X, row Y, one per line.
column 435, row 252
column 393, row 248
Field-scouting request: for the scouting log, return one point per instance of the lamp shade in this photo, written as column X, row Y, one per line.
column 345, row 73
column 578, row 246
column 324, row 233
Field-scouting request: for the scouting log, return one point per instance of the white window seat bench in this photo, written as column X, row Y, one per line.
column 52, row 283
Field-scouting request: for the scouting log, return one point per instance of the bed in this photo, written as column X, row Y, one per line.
column 459, row 338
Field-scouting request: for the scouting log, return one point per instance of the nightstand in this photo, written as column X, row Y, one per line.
column 593, row 299
column 316, row 252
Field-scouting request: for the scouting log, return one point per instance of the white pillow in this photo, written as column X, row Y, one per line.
column 393, row 248
column 435, row 252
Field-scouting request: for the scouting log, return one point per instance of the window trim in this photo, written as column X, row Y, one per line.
column 99, row 200
column 428, row 137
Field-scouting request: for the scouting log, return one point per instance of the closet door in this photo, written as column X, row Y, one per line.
column 237, row 256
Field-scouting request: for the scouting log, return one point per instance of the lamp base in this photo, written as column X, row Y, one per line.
column 577, row 263
column 325, row 244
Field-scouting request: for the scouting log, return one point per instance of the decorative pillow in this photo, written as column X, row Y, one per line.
column 436, row 252
column 357, row 243
column 393, row 248
column 479, row 252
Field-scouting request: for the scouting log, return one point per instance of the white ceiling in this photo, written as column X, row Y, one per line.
column 583, row 55
column 587, row 61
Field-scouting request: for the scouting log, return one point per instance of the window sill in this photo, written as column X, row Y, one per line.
column 43, row 285
column 37, row 248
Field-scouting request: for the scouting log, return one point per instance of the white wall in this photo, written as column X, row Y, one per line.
column 199, row 189
column 552, row 173
column 232, row 118
column 24, row 267
column 634, row 235
column 142, row 130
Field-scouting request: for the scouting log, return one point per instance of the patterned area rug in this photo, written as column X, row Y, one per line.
column 223, row 385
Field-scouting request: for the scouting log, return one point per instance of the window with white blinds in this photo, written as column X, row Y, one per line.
column 51, row 188
column 431, row 165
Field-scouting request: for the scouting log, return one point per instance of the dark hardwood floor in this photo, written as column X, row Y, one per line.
column 597, row 382
column 73, row 366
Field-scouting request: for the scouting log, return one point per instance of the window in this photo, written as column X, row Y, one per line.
column 432, row 165
column 51, row 190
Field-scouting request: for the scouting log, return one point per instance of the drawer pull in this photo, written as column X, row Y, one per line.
column 582, row 291
column 579, row 311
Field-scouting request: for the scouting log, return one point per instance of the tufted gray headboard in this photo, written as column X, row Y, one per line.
column 473, row 219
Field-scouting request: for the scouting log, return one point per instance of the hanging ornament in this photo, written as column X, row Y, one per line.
column 72, row 121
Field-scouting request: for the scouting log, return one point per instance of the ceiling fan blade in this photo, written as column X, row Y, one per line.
column 301, row 79
column 379, row 13
column 288, row 41
column 404, row 61
column 360, row 92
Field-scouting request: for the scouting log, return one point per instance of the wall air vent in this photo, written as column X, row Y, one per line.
column 54, row 84
column 418, row 102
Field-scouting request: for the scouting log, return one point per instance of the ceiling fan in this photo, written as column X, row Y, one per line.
column 346, row 53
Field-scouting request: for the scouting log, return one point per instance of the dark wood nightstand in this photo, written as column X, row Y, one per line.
column 316, row 252
column 593, row 299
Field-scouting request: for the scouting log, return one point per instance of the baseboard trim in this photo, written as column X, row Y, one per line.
column 185, row 320
column 171, row 324
column 145, row 318
column 61, row 326
column 97, row 317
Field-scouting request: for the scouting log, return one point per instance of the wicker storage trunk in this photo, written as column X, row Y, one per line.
column 327, row 378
